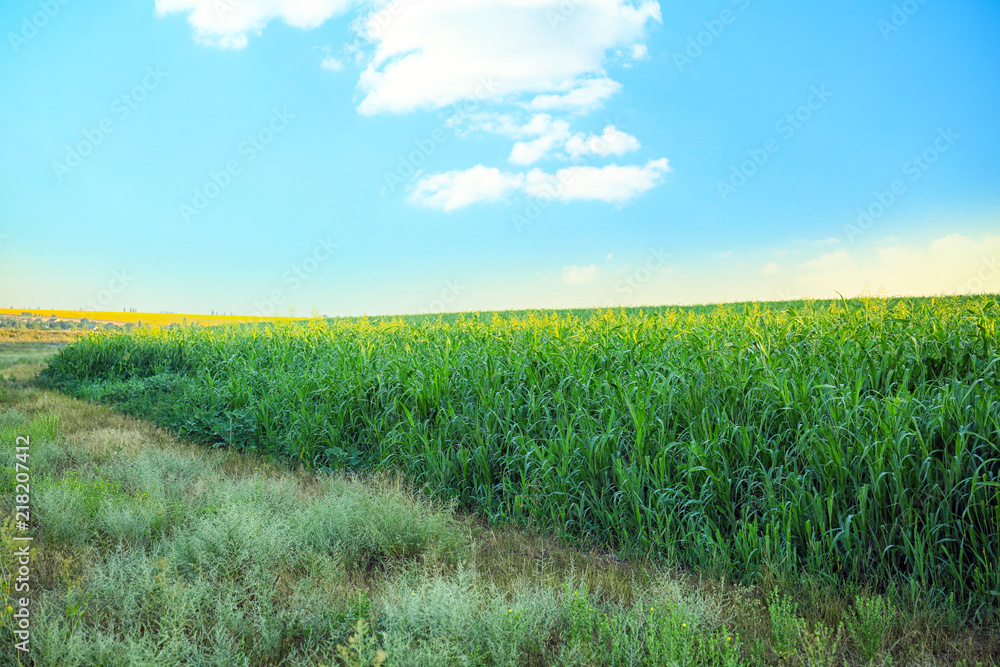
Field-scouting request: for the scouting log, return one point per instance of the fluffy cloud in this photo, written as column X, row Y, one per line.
column 613, row 184
column 458, row 189
column 577, row 275
column 545, row 135
column 580, row 97
column 333, row 64
column 533, row 57
column 228, row 23
column 550, row 134
column 434, row 53
column 611, row 142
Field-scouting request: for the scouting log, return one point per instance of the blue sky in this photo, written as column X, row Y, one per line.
column 348, row 157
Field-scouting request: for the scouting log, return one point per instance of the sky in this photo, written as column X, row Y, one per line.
column 348, row 157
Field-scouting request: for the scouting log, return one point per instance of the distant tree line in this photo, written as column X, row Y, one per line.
column 55, row 324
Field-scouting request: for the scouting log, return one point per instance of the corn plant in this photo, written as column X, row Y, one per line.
column 858, row 440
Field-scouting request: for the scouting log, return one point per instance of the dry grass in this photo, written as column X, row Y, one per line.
column 19, row 373
column 8, row 335
column 512, row 557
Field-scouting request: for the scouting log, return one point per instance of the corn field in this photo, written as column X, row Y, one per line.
column 856, row 441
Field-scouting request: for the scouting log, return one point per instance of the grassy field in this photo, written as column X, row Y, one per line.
column 27, row 352
column 152, row 551
column 844, row 454
column 12, row 336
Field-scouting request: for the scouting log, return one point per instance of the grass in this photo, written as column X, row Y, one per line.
column 23, row 352
column 150, row 550
column 10, row 337
column 872, row 620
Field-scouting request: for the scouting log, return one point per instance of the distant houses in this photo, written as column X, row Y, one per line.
column 31, row 322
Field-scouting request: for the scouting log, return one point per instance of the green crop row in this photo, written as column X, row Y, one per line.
column 857, row 441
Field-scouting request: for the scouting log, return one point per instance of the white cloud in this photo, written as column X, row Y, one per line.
column 434, row 53
column 639, row 52
column 457, row 189
column 611, row 184
column 953, row 245
column 550, row 134
column 530, row 152
column 527, row 55
column 228, row 23
column 539, row 124
column 577, row 275
column 336, row 60
column 332, row 64
column 541, row 135
column 770, row 268
column 611, row 142
column 582, row 96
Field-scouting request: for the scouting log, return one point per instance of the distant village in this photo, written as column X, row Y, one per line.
column 31, row 321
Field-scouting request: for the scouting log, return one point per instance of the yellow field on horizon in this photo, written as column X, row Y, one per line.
column 152, row 319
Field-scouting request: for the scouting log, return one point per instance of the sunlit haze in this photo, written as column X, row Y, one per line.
column 266, row 156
